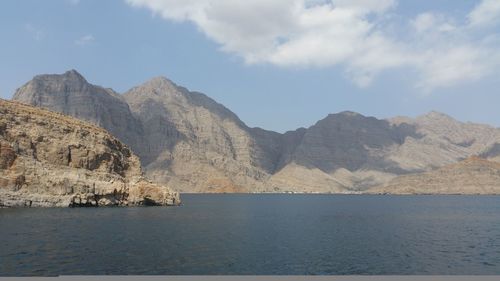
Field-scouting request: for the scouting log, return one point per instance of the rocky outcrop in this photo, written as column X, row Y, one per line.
column 190, row 142
column 473, row 175
column 48, row 159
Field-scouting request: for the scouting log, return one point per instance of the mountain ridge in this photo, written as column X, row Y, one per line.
column 473, row 175
column 190, row 141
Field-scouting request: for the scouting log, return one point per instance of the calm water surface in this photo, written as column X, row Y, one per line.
column 259, row 234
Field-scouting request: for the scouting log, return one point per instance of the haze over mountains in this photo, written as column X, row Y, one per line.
column 194, row 144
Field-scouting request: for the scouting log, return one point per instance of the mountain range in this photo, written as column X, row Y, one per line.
column 193, row 144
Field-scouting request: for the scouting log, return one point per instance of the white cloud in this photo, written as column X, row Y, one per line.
column 432, row 22
column 365, row 6
column 85, row 40
column 447, row 67
column 486, row 13
column 355, row 34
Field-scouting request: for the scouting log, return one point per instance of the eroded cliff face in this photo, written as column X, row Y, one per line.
column 51, row 160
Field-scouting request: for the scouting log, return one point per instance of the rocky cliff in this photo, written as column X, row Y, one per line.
column 49, row 159
column 191, row 142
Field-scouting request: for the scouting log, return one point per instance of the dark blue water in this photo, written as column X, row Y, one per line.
column 259, row 234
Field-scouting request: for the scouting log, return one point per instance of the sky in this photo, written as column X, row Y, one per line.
column 278, row 64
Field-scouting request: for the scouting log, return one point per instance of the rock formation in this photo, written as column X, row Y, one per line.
column 474, row 175
column 192, row 143
column 71, row 94
column 48, row 159
column 362, row 152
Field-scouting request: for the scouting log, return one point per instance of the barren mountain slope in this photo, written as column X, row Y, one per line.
column 197, row 144
column 471, row 176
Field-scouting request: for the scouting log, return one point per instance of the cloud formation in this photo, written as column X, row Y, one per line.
column 85, row 40
column 486, row 13
column 366, row 37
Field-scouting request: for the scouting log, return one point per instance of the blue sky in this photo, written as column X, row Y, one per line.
column 278, row 64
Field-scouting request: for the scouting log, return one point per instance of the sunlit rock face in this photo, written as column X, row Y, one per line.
column 52, row 160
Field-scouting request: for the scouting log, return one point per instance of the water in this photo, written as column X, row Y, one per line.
column 259, row 234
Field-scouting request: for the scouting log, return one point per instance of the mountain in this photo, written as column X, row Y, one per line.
column 194, row 144
column 71, row 94
column 49, row 159
column 473, row 175
column 348, row 150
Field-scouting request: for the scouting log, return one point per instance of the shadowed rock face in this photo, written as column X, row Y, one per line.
column 351, row 141
column 52, row 160
column 195, row 144
column 493, row 152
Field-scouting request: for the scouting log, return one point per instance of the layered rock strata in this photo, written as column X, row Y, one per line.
column 48, row 159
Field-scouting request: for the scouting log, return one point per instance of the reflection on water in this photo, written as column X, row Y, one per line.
column 259, row 234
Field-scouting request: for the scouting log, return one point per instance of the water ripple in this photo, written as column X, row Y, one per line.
column 259, row 234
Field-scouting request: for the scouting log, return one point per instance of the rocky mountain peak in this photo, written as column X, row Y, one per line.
column 73, row 74
column 162, row 92
column 157, row 86
column 350, row 114
column 436, row 116
column 71, row 94
column 69, row 78
column 347, row 119
column 160, row 83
